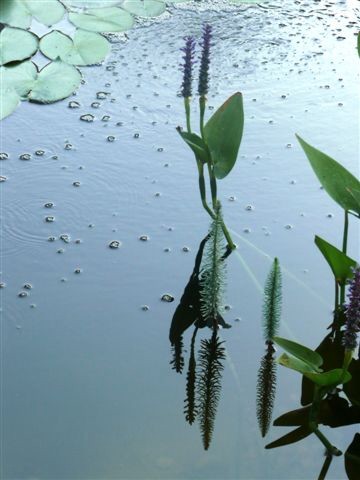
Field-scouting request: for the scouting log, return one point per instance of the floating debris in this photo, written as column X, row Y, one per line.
column 114, row 244
column 167, row 298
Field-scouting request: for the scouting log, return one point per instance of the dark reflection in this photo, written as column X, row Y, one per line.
column 204, row 371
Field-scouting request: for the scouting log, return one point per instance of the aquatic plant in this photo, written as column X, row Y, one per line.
column 266, row 382
column 218, row 144
column 190, row 409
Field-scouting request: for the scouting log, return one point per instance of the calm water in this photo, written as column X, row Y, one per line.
column 87, row 389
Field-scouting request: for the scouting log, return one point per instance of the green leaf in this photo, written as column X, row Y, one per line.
column 358, row 43
column 144, row 8
column 110, row 19
column 47, row 12
column 16, row 44
column 223, row 134
column 335, row 179
column 291, row 437
column 340, row 264
column 294, row 363
column 86, row 48
column 20, row 77
column 196, row 143
column 57, row 80
column 333, row 377
column 313, row 359
column 15, row 14
column 9, row 100
column 92, row 3
column 352, row 458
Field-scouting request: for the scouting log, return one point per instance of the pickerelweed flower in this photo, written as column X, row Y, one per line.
column 203, row 86
column 189, row 51
column 352, row 313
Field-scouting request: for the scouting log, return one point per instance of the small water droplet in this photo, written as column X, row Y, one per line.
column 48, row 205
column 27, row 286
column 25, row 156
column 167, row 298
column 78, row 270
column 23, row 294
column 186, row 249
column 87, row 118
column 39, row 153
column 115, row 244
column 76, row 184
column 74, row 105
column 145, row 308
column 110, row 138
column 144, row 238
column 4, row 156
column 49, row 219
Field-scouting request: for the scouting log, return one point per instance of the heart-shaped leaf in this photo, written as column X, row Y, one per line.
column 86, row 48
column 57, row 80
column 223, row 133
column 145, row 8
column 313, row 359
column 332, row 378
column 340, row 264
column 110, row 19
column 47, row 12
column 9, row 100
column 15, row 14
column 196, row 144
column 335, row 179
column 19, row 77
column 16, row 44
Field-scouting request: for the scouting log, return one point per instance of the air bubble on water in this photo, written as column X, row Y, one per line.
column 3, row 178
column 288, row 226
column 185, row 249
column 105, row 118
column 144, row 308
column 74, row 105
column 23, row 294
column 102, row 95
column 78, row 270
column 49, row 219
column 4, row 156
column 144, row 238
column 65, row 237
column 96, row 104
column 115, row 244
column 27, row 286
column 87, row 118
column 51, row 239
column 25, row 156
column 249, row 208
column 110, row 138
column 76, row 184
column 39, row 153
column 167, row 298
column 68, row 146
column 48, row 205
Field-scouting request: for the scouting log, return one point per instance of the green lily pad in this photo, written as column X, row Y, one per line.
column 92, row 3
column 110, row 19
column 86, row 48
column 145, row 8
column 16, row 44
column 56, row 81
column 47, row 12
column 15, row 14
column 9, row 100
column 19, row 77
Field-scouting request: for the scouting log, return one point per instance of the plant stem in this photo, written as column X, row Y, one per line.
column 325, row 467
column 187, row 113
column 202, row 188
column 202, row 104
column 344, row 249
column 336, row 296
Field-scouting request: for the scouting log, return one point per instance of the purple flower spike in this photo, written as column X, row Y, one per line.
column 352, row 312
column 189, row 51
column 203, row 87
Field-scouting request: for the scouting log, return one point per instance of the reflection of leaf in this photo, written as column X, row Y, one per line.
column 86, row 48
column 177, row 361
column 340, row 264
column 110, row 19
column 16, row 44
column 266, row 386
column 190, row 407
column 335, row 179
column 352, row 458
column 211, row 355
column 291, row 437
column 9, row 100
column 55, row 81
column 144, row 8
column 313, row 359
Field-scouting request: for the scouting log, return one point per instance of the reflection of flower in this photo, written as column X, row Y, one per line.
column 205, row 61
column 352, row 312
column 189, row 51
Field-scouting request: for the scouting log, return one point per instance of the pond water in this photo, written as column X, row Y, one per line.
column 87, row 387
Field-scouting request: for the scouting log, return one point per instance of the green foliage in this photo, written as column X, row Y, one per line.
column 211, row 355
column 292, row 437
column 295, row 364
column 223, row 133
column 272, row 301
column 86, row 48
column 265, row 390
column 309, row 357
column 340, row 264
column 352, row 458
column 335, row 179
column 331, row 378
column 144, row 8
column 111, row 19
column 196, row 143
column 9, row 100
column 19, row 13
column 16, row 45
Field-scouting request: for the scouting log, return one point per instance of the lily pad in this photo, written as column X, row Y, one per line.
column 56, row 81
column 9, row 100
column 15, row 14
column 19, row 77
column 86, row 48
column 47, row 12
column 16, row 44
column 145, row 8
column 110, row 19
column 92, row 3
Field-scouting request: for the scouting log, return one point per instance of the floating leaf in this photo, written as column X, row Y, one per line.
column 16, row 44
column 291, row 437
column 340, row 264
column 332, row 378
column 335, row 179
column 295, row 364
column 9, row 100
column 15, row 14
column 313, row 359
column 223, row 134
column 20, row 77
column 144, row 8
column 47, row 12
column 110, row 19
column 86, row 48
column 197, row 145
column 352, row 458
column 57, row 80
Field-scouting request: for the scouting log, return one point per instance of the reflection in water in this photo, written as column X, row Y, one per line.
column 200, row 306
